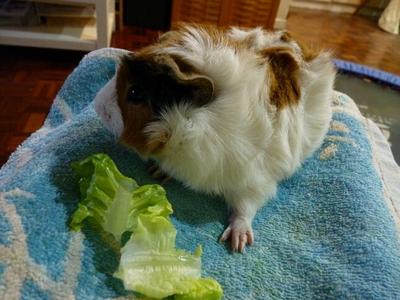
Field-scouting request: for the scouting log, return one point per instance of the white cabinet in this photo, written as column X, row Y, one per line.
column 76, row 34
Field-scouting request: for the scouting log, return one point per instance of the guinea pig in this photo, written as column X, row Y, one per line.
column 227, row 112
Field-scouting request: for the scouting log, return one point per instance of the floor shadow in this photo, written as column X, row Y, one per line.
column 377, row 102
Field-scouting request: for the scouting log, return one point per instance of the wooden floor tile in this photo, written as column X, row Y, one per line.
column 14, row 141
column 34, row 122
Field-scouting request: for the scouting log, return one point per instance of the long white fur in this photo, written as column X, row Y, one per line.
column 239, row 145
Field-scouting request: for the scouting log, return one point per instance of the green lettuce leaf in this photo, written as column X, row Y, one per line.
column 150, row 264
column 112, row 199
column 106, row 195
column 201, row 288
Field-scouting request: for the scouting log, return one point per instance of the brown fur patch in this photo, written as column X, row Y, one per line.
column 309, row 52
column 282, row 74
column 135, row 117
column 286, row 37
column 157, row 142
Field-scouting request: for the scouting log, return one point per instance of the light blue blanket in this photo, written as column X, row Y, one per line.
column 332, row 231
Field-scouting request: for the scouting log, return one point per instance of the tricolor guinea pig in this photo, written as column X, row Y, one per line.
column 229, row 112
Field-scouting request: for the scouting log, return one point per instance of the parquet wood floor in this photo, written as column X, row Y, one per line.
column 354, row 38
column 30, row 78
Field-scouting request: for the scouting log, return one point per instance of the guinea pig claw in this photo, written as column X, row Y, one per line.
column 152, row 169
column 158, row 174
column 165, row 179
column 225, row 235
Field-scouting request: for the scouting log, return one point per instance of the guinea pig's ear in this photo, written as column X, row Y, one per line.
column 282, row 76
column 200, row 87
column 171, row 80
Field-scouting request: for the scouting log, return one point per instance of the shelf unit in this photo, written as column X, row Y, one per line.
column 73, row 35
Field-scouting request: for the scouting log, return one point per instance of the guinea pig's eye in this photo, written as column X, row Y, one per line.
column 136, row 95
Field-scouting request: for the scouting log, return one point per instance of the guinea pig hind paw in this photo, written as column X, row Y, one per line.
column 240, row 234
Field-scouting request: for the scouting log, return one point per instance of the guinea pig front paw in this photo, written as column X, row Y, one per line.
column 239, row 232
column 157, row 174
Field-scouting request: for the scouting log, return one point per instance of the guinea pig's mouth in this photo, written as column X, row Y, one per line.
column 107, row 108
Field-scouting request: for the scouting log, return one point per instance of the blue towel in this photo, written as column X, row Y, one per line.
column 330, row 233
